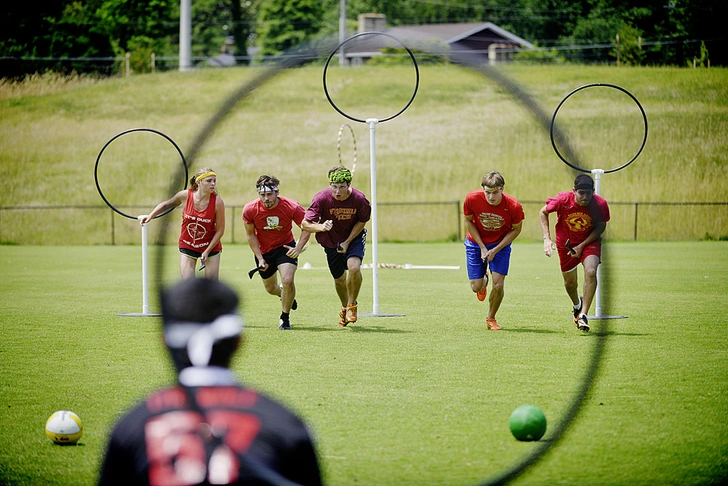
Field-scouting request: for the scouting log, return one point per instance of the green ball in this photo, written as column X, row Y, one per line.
column 528, row 423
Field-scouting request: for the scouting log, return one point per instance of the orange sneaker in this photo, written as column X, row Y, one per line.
column 482, row 293
column 342, row 317
column 351, row 313
column 492, row 324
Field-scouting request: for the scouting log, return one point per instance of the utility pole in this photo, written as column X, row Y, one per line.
column 342, row 31
column 185, row 34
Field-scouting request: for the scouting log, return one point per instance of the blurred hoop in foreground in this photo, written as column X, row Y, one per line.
column 614, row 86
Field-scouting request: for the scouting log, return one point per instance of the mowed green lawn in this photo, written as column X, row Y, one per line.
column 423, row 398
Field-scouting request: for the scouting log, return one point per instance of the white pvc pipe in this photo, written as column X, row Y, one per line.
column 145, row 272
column 598, row 294
column 373, row 200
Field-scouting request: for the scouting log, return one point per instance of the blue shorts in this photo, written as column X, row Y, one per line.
column 337, row 261
column 477, row 267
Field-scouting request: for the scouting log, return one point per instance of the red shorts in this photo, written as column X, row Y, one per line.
column 569, row 262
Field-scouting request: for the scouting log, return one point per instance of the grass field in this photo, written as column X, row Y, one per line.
column 419, row 399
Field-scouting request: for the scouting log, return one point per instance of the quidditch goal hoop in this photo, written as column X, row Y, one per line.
column 593, row 85
column 358, row 36
column 98, row 159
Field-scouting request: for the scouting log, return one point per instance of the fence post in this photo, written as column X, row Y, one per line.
column 127, row 64
column 457, row 217
column 113, row 236
column 636, row 205
column 232, row 223
column 154, row 62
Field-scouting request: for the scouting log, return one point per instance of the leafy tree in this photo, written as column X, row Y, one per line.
column 628, row 46
column 287, row 23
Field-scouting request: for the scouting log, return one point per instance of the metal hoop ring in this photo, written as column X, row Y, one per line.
column 381, row 120
column 338, row 146
column 553, row 120
column 98, row 158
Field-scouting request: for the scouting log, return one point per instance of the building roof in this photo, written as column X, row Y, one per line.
column 456, row 32
column 473, row 37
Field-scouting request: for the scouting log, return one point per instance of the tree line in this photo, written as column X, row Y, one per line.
column 651, row 32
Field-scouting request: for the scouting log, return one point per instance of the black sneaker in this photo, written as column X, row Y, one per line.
column 294, row 306
column 583, row 323
column 286, row 325
column 577, row 310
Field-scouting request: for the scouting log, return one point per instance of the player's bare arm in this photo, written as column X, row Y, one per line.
column 548, row 245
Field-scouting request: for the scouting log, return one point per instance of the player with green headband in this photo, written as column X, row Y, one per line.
column 337, row 216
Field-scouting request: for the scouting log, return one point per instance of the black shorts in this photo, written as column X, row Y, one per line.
column 195, row 254
column 337, row 261
column 276, row 257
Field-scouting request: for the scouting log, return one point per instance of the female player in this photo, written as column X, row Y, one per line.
column 203, row 224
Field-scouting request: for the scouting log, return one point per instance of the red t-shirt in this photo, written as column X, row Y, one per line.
column 273, row 226
column 198, row 227
column 575, row 222
column 493, row 222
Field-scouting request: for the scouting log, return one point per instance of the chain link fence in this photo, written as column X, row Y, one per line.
column 397, row 221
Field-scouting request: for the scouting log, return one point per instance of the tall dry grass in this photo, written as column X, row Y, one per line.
column 459, row 126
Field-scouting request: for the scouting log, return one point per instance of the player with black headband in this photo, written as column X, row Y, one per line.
column 338, row 216
column 268, row 225
column 581, row 219
column 209, row 429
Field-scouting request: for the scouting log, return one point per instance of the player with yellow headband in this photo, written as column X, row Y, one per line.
column 203, row 224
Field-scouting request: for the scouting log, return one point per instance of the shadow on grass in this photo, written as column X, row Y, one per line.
column 354, row 328
column 530, row 329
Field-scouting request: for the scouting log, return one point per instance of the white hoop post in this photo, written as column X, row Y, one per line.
column 372, row 122
column 145, row 279
column 597, row 173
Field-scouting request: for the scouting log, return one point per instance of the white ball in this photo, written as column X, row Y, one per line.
column 64, row 427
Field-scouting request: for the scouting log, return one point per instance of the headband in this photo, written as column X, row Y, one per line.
column 204, row 176
column 199, row 338
column 339, row 176
column 264, row 188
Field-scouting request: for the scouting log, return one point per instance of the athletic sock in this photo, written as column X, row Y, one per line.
column 284, row 316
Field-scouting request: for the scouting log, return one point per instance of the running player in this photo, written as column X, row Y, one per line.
column 581, row 219
column 493, row 220
column 268, row 223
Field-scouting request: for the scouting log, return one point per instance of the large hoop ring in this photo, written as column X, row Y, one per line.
column 380, row 120
column 553, row 120
column 98, row 159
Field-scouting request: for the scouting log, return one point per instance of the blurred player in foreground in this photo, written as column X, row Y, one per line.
column 338, row 215
column 209, row 429
column 493, row 220
column 268, row 222
column 581, row 219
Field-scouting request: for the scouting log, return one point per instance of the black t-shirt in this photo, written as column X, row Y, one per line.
column 249, row 438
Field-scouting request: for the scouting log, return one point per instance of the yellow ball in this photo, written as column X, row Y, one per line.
column 64, row 427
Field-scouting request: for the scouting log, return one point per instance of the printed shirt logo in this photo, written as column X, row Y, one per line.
column 579, row 221
column 491, row 222
column 196, row 231
column 342, row 214
column 272, row 223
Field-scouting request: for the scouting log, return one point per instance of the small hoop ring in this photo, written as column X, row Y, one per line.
column 98, row 158
column 553, row 120
column 338, row 146
column 381, row 120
